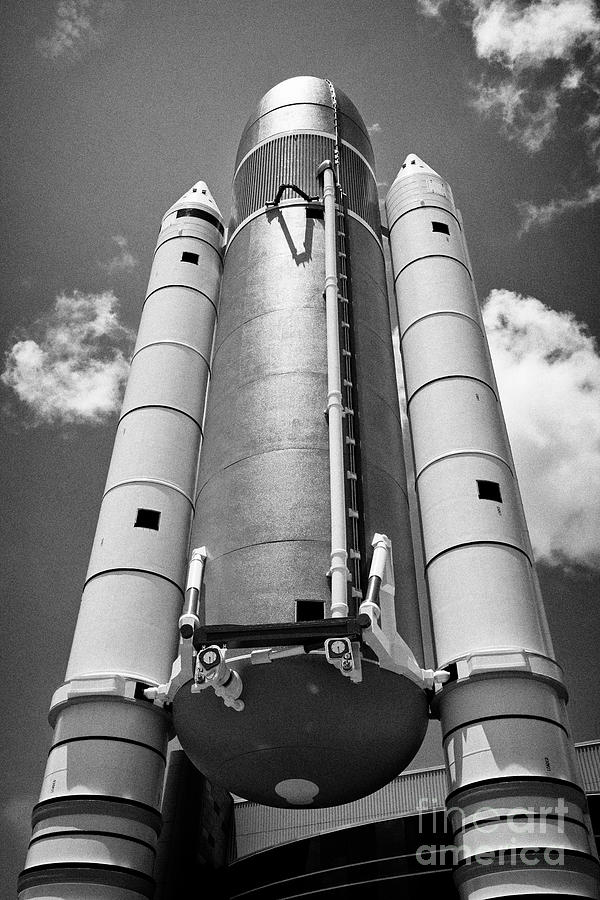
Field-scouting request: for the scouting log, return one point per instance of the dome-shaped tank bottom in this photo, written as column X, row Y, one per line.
column 308, row 736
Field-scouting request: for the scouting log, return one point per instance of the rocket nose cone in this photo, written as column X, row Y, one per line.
column 412, row 164
column 197, row 197
column 200, row 192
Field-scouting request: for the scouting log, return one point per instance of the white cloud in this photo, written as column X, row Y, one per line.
column 528, row 118
column 528, row 36
column 548, row 371
column 375, row 128
column 72, row 31
column 542, row 214
column 525, row 39
column 539, row 55
column 124, row 261
column 431, row 8
column 573, row 80
column 72, row 366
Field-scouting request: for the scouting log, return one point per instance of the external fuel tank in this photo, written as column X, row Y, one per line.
column 262, row 505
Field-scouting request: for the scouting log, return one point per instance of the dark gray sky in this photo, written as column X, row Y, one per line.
column 111, row 110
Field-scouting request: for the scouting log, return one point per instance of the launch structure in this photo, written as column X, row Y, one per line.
column 252, row 587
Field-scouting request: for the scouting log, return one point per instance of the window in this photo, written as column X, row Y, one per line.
column 309, row 610
column 189, row 257
column 441, row 227
column 147, row 518
column 489, row 490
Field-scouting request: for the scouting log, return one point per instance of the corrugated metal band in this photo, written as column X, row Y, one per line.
column 294, row 159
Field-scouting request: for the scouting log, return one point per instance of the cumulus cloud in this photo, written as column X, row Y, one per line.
column 538, row 56
column 533, row 214
column 532, row 117
column 432, row 8
column 124, row 261
column 72, row 364
column 525, row 41
column 548, row 371
column 528, row 36
column 72, row 31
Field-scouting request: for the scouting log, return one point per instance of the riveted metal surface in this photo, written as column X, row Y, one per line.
column 145, row 727
column 92, row 770
column 302, row 103
column 111, row 850
column 432, row 284
column 97, row 823
column 414, row 237
column 284, row 341
column 179, row 314
column 168, row 267
column 170, row 456
column 442, row 346
column 504, row 729
column 452, row 512
column 168, row 375
column 294, row 159
column 118, row 544
column 267, row 414
column 523, row 695
column 94, row 822
column 129, row 603
column 243, row 579
column 369, row 295
column 466, row 420
column 199, row 236
column 275, row 264
column 264, row 466
column 292, row 489
column 263, row 501
column 305, row 89
column 374, row 359
column 287, row 159
column 489, row 578
column 425, row 189
column 385, row 506
column 478, row 753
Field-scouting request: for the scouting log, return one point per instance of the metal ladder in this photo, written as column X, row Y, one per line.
column 350, row 448
column 353, row 525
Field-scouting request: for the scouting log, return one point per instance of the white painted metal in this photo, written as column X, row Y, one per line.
column 339, row 554
column 96, row 824
column 503, row 713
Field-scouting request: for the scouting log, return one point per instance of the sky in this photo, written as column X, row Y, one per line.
column 111, row 110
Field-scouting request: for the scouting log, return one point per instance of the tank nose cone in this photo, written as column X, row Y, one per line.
column 200, row 192
column 199, row 197
column 414, row 163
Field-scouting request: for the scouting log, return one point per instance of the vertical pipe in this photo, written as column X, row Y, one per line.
column 95, row 828
column 503, row 711
column 335, row 412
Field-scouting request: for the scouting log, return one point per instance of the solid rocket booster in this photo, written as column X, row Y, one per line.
column 307, row 736
column 96, row 825
column 505, row 729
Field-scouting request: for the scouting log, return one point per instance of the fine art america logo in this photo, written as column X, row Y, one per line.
column 486, row 836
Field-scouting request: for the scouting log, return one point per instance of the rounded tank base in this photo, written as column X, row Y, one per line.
column 307, row 736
